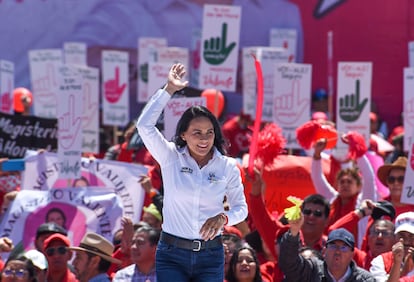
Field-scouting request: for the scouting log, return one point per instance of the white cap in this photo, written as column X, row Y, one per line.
column 39, row 260
column 405, row 222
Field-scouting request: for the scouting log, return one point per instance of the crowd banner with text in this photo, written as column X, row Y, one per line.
column 80, row 209
column 21, row 133
column 43, row 170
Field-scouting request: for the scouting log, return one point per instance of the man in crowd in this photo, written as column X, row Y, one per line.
column 58, row 255
column 382, row 264
column 336, row 266
column 44, row 231
column 144, row 245
column 93, row 258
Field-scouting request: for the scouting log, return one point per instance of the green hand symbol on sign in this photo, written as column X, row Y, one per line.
column 143, row 71
column 350, row 108
column 215, row 49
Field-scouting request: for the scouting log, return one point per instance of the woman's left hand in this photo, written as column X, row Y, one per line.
column 211, row 227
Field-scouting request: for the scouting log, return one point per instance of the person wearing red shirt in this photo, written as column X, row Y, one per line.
column 237, row 132
column 315, row 209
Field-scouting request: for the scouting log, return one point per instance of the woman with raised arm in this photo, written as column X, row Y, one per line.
column 196, row 176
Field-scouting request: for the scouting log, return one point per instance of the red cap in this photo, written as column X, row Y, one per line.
column 231, row 230
column 373, row 116
column 56, row 237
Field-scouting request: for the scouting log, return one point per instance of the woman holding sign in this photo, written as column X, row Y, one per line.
column 196, row 176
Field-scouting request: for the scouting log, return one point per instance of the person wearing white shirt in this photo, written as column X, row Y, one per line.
column 196, row 176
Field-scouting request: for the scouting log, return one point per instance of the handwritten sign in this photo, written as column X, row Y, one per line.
column 268, row 56
column 6, row 86
column 174, row 110
column 219, row 47
column 146, row 53
column 115, row 88
column 69, row 115
column 44, row 66
column 291, row 100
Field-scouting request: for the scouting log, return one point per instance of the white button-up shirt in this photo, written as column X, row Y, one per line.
column 191, row 195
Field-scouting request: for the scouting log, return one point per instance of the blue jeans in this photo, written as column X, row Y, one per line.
column 181, row 265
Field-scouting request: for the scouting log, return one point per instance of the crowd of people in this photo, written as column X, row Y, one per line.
column 198, row 225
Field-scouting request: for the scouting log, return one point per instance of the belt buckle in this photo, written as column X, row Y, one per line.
column 197, row 247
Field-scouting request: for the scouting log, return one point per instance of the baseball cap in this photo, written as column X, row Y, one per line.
column 343, row 235
column 50, row 227
column 383, row 208
column 405, row 222
column 56, row 237
column 38, row 259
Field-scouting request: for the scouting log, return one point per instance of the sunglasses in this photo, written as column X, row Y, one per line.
column 60, row 250
column 383, row 233
column 392, row 179
column 18, row 273
column 316, row 213
column 343, row 248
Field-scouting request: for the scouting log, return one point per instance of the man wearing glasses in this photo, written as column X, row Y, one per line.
column 337, row 264
column 401, row 256
column 58, row 255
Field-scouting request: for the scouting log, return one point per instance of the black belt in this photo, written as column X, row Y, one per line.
column 194, row 245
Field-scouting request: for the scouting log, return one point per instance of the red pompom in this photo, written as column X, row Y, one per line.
column 270, row 143
column 305, row 134
column 357, row 145
column 329, row 133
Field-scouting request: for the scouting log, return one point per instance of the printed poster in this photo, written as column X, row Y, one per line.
column 291, row 104
column 44, row 65
column 220, row 47
column 69, row 116
column 146, row 53
column 174, row 110
column 408, row 107
column 90, row 109
column 268, row 57
column 115, row 88
column 75, row 53
column 6, row 86
column 353, row 103
column 285, row 38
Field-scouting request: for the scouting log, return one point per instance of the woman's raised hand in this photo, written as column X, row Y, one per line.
column 175, row 76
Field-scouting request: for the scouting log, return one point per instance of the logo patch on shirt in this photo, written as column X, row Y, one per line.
column 212, row 177
column 186, row 170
